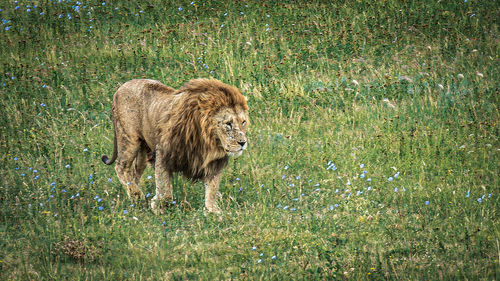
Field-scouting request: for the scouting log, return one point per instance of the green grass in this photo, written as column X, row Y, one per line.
column 383, row 87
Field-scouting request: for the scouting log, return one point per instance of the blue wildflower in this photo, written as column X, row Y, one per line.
column 283, row 177
column 15, row 158
column 259, row 261
column 362, row 166
column 147, row 195
column 273, row 257
column 125, row 212
column 468, row 193
column 180, row 8
column 100, row 208
column 362, row 175
column 286, row 167
column 331, row 207
column 390, row 179
column 110, row 180
column 254, row 248
column 479, row 199
column 426, row 202
column 285, row 208
column 67, row 166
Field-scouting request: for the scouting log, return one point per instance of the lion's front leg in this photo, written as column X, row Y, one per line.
column 164, row 193
column 212, row 194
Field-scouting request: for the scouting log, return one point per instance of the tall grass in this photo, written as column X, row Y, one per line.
column 373, row 141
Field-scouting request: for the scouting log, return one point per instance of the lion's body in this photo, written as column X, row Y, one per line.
column 177, row 131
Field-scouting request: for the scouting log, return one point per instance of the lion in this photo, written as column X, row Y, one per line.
column 193, row 131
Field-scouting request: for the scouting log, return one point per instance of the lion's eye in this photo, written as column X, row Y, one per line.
column 243, row 123
column 229, row 125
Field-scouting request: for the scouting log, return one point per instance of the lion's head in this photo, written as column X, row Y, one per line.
column 208, row 126
column 230, row 128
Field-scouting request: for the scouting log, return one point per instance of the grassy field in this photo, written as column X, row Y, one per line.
column 373, row 144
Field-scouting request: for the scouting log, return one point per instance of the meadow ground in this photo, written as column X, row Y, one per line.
column 373, row 144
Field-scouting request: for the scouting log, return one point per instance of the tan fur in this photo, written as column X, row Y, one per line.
column 192, row 130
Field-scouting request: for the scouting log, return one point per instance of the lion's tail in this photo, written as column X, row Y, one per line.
column 104, row 158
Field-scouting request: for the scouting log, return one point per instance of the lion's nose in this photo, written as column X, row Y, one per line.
column 242, row 143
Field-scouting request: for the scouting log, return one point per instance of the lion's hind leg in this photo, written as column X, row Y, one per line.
column 130, row 162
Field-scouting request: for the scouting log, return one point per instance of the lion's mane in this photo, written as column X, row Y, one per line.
column 187, row 133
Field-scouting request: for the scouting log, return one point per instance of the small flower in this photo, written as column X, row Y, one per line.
column 336, row 205
column 238, row 179
column 147, row 195
column 362, row 166
column 64, row 190
column 468, row 194
column 15, row 158
column 291, row 185
column 273, row 257
column 100, row 208
column 259, row 261
column 479, row 199
column 285, row 208
column 125, row 212
column 35, row 171
column 99, row 200
column 396, row 175
column 150, row 177
column 222, row 25
column 283, row 177
column 286, row 167
column 90, row 176
column 489, row 195
column 85, row 149
column 78, row 194
column 174, row 202
column 362, row 175
column 390, row 179
column 331, row 207
column 180, row 8
column 67, row 166
column 395, row 189
column 426, row 202
column 293, row 209
column 52, row 183
column 254, row 248
column 132, row 205
column 262, row 185
column 369, row 179
column 110, row 180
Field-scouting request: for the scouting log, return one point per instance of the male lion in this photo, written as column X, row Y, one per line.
column 192, row 130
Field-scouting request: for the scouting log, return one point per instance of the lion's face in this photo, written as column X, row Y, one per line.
column 230, row 128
